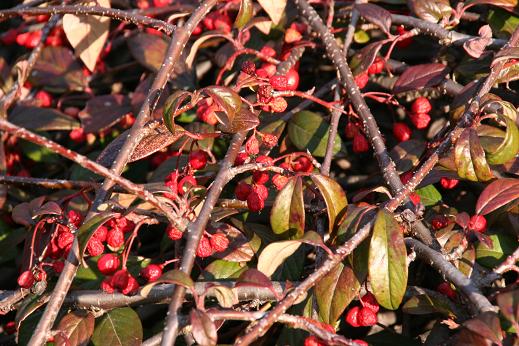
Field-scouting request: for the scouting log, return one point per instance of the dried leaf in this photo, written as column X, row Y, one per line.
column 274, row 8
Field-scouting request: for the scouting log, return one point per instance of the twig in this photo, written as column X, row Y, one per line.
column 479, row 302
column 285, row 66
column 47, row 183
column 194, row 234
column 121, row 15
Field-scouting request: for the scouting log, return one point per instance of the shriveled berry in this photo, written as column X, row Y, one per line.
column 115, row 238
column 26, row 279
column 95, row 247
column 278, row 104
column 44, row 98
column 58, row 266
column 352, row 316
column 197, row 159
column 249, row 68
column 268, row 51
column 303, row 164
column 65, row 240
column 261, row 177
column 264, row 93
column 313, row 340
column 439, row 221
column 241, row 158
column 367, row 317
column 448, row 183
column 421, row 105
column 206, row 111
column 40, row 275
column 278, row 82
column 279, row 181
column 101, row 233
column 351, row 130
column 106, row 285
column 420, row 120
column 186, row 183
column 152, row 272
column 74, row 218
column 174, row 233
column 478, row 223
column 369, row 301
column 262, row 190
column 252, row 145
column 242, row 191
column 108, row 263
column 402, row 132
column 360, row 143
column 254, row 202
column 361, row 80
column 269, row 140
column 377, row 66
column 204, row 248
column 120, row 279
column 446, row 289
column 223, row 22
column 219, row 242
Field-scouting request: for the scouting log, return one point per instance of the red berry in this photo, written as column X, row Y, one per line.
column 415, row 198
column 448, row 183
column 33, row 39
column 252, row 145
column 264, row 93
column 241, row 158
column 22, row 38
column 248, row 67
column 269, row 140
column 152, row 272
column 405, row 42
column 44, row 98
column 115, row 238
column 279, row 82
column 446, row 289
column 120, row 279
column 40, row 275
column 74, row 218
column 58, row 266
column 106, row 285
column 219, row 242
column 352, row 316
column 268, row 51
column 108, row 264
column 122, row 224
column 351, row 130
column 174, row 233
column 292, row 35
column 198, row 30
column 478, row 223
column 369, row 301
column 242, row 191
column 421, row 105
column 267, row 70
column 198, row 159
column 26, row 279
column 65, row 240
column 261, row 190
column 278, row 105
column 9, row 37
column 206, row 111
column 77, row 135
column 367, row 317
column 185, row 184
column 360, row 143
column 261, row 177
column 101, row 233
column 420, row 120
column 377, row 66
column 439, row 221
column 303, row 164
column 95, row 247
column 292, row 79
column 131, row 287
column 313, row 340
column 279, row 181
column 402, row 132
column 204, row 248
column 223, row 22
column 361, row 80
column 255, row 202
column 161, row 3
column 10, row 328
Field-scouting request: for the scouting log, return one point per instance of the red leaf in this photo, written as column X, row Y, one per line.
column 420, row 76
column 496, row 195
column 375, row 14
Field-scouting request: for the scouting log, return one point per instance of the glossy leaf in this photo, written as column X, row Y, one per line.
column 173, row 104
column 87, row 33
column 101, row 112
column 334, row 197
column 220, row 269
column 508, row 148
column 308, row 131
column 228, row 100
column 243, row 120
column 496, row 195
column 429, row 195
column 335, row 292
column 170, row 277
column 203, row 328
column 255, row 278
column 274, row 8
column 475, row 47
column 387, row 261
column 420, row 76
column 406, row 155
column 491, row 256
column 88, row 228
column 362, row 60
column 463, row 158
column 75, row 328
column 118, row 327
column 431, row 10
column 353, row 219
column 287, row 215
column 42, row 119
column 477, row 155
column 244, row 14
column 506, row 4
column 466, row 263
column 376, row 15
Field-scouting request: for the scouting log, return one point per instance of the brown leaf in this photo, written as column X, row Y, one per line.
column 101, row 112
column 496, row 195
column 75, row 328
column 475, row 47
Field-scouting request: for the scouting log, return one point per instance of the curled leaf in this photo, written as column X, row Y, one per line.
column 245, row 14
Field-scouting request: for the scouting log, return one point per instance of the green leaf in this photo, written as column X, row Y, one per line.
column 423, row 304
column 245, row 14
column 335, row 292
column 287, row 216
column 308, row 131
column 387, row 261
column 462, row 157
column 334, row 197
column 502, row 246
column 508, row 148
column 173, row 103
column 88, row 228
column 477, row 155
column 226, row 297
column 118, row 327
column 221, row 269
column 502, row 23
column 361, row 37
column 174, row 276
column 429, row 195
column 38, row 153
column 350, row 222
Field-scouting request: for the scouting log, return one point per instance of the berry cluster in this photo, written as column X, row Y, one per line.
column 364, row 315
column 360, row 142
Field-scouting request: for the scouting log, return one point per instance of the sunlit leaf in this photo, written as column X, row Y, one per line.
column 244, row 14
column 496, row 195
column 88, row 228
column 334, row 197
column 288, row 212
column 420, row 76
column 118, row 327
column 170, row 277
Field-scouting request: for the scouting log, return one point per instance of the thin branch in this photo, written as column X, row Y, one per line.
column 194, row 234
column 120, row 15
column 47, row 183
